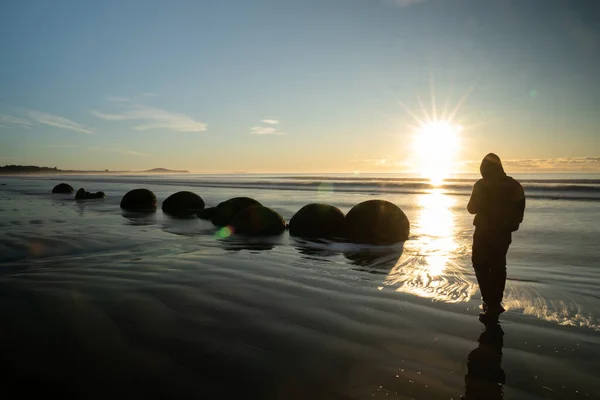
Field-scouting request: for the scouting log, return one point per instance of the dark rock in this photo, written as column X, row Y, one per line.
column 97, row 195
column 183, row 204
column 225, row 211
column 376, row 222
column 258, row 221
column 139, row 200
column 207, row 213
column 317, row 221
column 83, row 195
column 63, row 188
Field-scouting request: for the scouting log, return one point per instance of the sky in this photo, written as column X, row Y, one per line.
column 268, row 86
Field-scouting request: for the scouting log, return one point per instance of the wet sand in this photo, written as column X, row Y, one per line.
column 95, row 303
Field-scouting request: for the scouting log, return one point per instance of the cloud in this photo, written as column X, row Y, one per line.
column 262, row 130
column 154, row 118
column 116, row 149
column 149, row 94
column 266, row 130
column 12, row 120
column 31, row 118
column 575, row 164
column 109, row 117
column 58, row 122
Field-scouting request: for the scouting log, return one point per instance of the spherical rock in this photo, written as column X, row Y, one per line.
column 225, row 211
column 317, row 221
column 258, row 221
column 80, row 195
column 139, row 200
column 376, row 222
column 63, row 188
column 183, row 203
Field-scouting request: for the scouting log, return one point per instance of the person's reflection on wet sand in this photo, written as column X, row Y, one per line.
column 485, row 377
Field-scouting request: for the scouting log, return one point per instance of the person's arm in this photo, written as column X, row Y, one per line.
column 520, row 202
column 474, row 205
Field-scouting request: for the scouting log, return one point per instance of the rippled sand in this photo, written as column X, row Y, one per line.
column 95, row 303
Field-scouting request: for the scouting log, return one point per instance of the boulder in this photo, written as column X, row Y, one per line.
column 317, row 221
column 63, row 188
column 258, row 221
column 207, row 213
column 139, row 200
column 83, row 195
column 376, row 222
column 183, row 203
column 225, row 211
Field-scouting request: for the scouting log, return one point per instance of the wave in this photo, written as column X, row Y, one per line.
column 551, row 189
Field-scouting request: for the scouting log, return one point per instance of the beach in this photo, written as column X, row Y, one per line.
column 100, row 303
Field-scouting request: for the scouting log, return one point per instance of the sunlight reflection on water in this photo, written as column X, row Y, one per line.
column 429, row 266
column 436, row 265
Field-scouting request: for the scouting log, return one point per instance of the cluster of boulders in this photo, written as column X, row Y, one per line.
column 375, row 222
column 65, row 188
column 83, row 195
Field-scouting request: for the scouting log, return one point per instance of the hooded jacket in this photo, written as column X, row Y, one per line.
column 498, row 201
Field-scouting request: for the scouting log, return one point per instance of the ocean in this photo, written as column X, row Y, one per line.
column 98, row 303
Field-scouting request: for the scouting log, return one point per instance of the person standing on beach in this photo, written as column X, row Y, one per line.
column 498, row 202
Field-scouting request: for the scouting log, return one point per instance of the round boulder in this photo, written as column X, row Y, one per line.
column 139, row 200
column 376, row 222
column 317, row 221
column 80, row 195
column 63, row 188
column 258, row 221
column 183, row 203
column 225, row 211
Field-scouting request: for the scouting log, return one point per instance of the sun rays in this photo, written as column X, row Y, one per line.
column 436, row 137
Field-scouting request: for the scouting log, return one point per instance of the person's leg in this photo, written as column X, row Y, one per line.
column 480, row 259
column 497, row 263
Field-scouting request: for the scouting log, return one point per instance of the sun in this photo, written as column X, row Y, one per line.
column 436, row 147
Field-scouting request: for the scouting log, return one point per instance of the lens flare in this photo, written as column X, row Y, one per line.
column 224, row 232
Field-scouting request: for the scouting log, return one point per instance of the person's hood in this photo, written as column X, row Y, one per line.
column 491, row 167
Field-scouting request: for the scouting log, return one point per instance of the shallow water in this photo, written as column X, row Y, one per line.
column 151, row 306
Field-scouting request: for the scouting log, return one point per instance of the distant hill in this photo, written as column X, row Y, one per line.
column 33, row 169
column 166, row 171
column 27, row 169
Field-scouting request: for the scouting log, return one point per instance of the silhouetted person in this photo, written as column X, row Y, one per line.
column 498, row 202
column 485, row 375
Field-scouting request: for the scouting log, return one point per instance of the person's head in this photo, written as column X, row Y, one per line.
column 491, row 167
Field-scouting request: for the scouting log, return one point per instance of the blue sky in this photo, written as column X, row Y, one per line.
column 295, row 86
